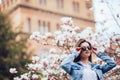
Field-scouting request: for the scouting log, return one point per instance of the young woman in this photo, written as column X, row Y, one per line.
column 79, row 64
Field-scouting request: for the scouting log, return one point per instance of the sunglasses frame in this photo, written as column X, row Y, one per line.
column 86, row 48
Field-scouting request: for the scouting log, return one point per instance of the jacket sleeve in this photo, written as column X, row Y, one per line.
column 67, row 63
column 109, row 62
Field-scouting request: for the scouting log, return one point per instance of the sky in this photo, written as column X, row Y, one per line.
column 104, row 12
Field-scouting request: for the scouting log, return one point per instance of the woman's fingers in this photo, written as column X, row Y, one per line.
column 78, row 48
column 95, row 50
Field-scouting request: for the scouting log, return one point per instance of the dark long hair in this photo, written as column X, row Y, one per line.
column 78, row 44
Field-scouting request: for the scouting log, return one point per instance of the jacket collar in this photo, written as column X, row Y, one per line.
column 90, row 63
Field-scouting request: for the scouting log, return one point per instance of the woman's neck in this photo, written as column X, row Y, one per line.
column 85, row 60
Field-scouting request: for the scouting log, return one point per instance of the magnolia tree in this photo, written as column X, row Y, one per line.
column 47, row 66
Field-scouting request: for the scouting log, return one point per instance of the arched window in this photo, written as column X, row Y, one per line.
column 58, row 26
column 28, row 25
column 8, row 3
column 60, row 4
column 88, row 4
column 11, row 1
column 76, row 6
column 27, row 0
column 3, row 6
column 42, row 2
column 0, row 9
column 44, row 27
column 39, row 25
column 48, row 26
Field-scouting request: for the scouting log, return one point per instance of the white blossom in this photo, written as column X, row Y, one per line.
column 67, row 20
column 35, row 76
column 35, row 59
column 12, row 70
column 76, row 28
column 66, row 28
column 35, row 67
column 35, row 36
column 52, row 50
column 118, row 54
column 44, row 37
column 48, row 34
column 16, row 78
column 45, row 62
column 25, row 76
column 57, row 33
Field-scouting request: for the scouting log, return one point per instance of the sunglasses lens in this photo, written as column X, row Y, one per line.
column 84, row 48
column 89, row 47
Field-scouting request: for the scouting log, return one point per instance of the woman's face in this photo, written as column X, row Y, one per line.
column 85, row 50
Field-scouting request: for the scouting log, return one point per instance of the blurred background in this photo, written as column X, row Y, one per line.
column 95, row 20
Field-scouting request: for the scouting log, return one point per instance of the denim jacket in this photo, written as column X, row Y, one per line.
column 76, row 69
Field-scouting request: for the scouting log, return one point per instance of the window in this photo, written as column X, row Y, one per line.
column 11, row 1
column 75, row 6
column 29, row 25
column 89, row 15
column 8, row 3
column 43, row 26
column 42, row 2
column 3, row 6
column 27, row 0
column 60, row 4
column 88, row 4
column 48, row 26
column 58, row 26
column 0, row 9
column 39, row 25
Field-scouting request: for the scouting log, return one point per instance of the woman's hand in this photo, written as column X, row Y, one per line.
column 95, row 50
column 78, row 49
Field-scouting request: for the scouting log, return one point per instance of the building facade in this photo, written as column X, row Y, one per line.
column 44, row 15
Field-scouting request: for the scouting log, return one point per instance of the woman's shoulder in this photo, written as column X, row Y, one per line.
column 76, row 65
column 97, row 66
